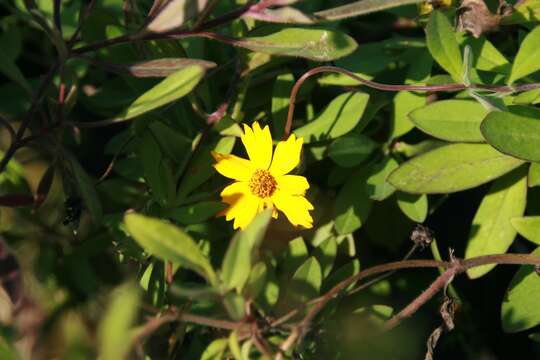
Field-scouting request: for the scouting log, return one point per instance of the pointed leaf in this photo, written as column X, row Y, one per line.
column 526, row 61
column 414, row 206
column 337, row 119
column 528, row 227
column 520, row 310
column 352, row 206
column 491, row 229
column 442, row 44
column 175, row 13
column 361, row 7
column 351, row 150
column 242, row 252
column 172, row 88
column 534, row 175
column 306, row 282
column 169, row 243
column 314, row 44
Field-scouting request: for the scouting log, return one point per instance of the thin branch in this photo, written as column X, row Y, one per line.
column 57, row 14
column 38, row 96
column 8, row 127
column 443, row 280
column 454, row 267
column 386, row 87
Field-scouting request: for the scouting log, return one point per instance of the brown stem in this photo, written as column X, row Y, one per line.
column 455, row 266
column 443, row 280
column 10, row 152
column 387, row 87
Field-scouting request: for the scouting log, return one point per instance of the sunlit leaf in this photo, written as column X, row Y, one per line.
column 526, row 62
column 169, row 243
column 528, row 227
column 443, row 45
column 451, row 120
column 452, row 168
column 337, row 119
column 515, row 133
column 314, row 44
column 175, row 13
column 242, row 252
column 491, row 230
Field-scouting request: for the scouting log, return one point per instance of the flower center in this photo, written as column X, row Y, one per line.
column 262, row 184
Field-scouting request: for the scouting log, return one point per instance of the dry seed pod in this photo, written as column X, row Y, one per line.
column 474, row 16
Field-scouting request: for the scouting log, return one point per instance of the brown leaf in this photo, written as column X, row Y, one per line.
column 474, row 16
column 154, row 68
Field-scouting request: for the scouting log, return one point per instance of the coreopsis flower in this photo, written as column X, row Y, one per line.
column 262, row 181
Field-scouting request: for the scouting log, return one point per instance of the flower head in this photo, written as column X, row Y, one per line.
column 262, row 181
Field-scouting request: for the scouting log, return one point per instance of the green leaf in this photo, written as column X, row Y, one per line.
column 337, row 119
column 491, row 229
column 535, row 337
column 295, row 255
column 201, row 168
column 404, row 103
column 451, row 120
column 280, row 102
column 361, row 7
column 520, row 310
column 351, row 150
column 526, row 61
column 235, row 305
column 12, row 72
column 325, row 254
column 442, row 44
column 534, row 174
column 486, row 56
column 257, row 280
column 114, row 329
column 377, row 185
column 194, row 214
column 414, row 206
column 308, row 43
column 528, row 227
column 175, row 13
column 169, row 243
column 155, row 68
column 344, row 272
column 452, row 168
column 515, row 133
column 352, row 205
column 242, row 252
column 86, row 189
column 172, row 88
column 157, row 173
column 527, row 97
column 305, row 283
column 216, row 350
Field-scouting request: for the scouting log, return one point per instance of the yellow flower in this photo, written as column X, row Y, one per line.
column 262, row 181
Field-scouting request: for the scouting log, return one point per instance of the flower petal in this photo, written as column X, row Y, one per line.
column 295, row 207
column 286, row 156
column 243, row 205
column 232, row 166
column 258, row 143
column 292, row 184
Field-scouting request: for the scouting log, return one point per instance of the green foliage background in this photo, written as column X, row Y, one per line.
column 109, row 110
